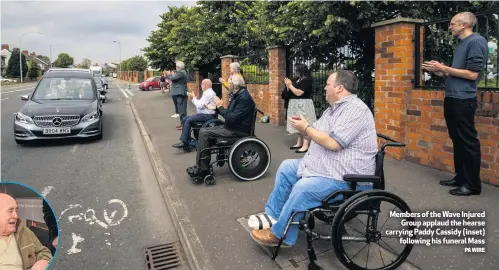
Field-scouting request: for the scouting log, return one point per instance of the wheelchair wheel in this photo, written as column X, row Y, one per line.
column 350, row 246
column 249, row 158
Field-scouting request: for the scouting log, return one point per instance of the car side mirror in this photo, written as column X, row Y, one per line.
column 25, row 97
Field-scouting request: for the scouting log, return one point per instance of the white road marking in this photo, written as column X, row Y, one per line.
column 4, row 98
column 74, row 148
column 26, row 89
column 71, row 206
column 126, row 96
column 129, row 92
column 109, row 220
column 76, row 239
column 19, row 86
column 46, row 191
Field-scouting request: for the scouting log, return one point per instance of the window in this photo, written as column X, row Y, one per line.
column 64, row 89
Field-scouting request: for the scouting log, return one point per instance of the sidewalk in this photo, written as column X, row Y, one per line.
column 213, row 212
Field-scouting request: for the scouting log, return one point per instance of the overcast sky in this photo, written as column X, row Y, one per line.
column 82, row 28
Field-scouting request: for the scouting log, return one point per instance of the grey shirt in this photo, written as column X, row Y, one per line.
column 470, row 54
column 351, row 123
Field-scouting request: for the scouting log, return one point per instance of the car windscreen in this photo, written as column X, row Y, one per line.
column 64, row 89
column 150, row 79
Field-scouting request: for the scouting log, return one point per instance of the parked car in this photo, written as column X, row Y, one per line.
column 64, row 104
column 150, row 84
column 5, row 80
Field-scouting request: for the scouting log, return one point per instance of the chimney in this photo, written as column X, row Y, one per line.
column 5, row 46
column 25, row 52
column 33, row 54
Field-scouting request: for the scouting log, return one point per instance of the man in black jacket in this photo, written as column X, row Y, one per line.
column 238, row 122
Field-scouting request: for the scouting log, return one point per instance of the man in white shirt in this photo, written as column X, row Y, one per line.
column 204, row 114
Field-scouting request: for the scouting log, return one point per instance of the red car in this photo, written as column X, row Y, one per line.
column 150, row 84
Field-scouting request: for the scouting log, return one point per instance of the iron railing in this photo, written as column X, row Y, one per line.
column 254, row 68
column 438, row 44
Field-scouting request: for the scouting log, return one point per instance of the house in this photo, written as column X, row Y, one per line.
column 6, row 54
column 44, row 66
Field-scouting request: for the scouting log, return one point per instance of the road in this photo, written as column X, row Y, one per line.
column 105, row 192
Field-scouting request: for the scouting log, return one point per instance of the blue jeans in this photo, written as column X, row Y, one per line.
column 186, row 124
column 292, row 194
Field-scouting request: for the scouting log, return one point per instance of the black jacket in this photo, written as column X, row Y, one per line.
column 239, row 114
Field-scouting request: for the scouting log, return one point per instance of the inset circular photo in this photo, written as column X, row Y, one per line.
column 28, row 228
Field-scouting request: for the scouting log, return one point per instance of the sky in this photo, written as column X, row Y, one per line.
column 83, row 29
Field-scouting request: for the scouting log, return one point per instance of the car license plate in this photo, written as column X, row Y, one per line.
column 50, row 131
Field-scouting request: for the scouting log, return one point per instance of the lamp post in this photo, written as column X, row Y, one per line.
column 50, row 47
column 21, row 51
column 119, row 43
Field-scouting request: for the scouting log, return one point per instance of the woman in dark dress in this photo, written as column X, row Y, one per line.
column 300, row 103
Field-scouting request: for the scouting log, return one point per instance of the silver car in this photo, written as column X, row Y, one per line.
column 64, row 104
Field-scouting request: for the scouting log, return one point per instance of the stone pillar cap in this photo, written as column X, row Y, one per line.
column 397, row 20
column 229, row 56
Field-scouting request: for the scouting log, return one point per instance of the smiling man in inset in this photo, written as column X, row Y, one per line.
column 19, row 247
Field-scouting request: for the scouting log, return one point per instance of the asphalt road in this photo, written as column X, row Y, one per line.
column 104, row 192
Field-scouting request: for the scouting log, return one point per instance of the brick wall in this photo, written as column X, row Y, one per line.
column 428, row 142
column 261, row 96
column 416, row 116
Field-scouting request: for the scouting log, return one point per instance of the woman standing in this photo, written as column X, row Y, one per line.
column 300, row 103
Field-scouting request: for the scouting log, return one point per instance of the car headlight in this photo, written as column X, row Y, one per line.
column 22, row 118
column 91, row 116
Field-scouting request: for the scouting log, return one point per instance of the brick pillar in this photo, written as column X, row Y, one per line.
column 226, row 61
column 277, row 74
column 151, row 74
column 394, row 64
column 145, row 75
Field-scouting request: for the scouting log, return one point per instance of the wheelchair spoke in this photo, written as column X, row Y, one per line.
column 367, row 260
column 381, row 255
column 359, row 251
column 389, row 247
column 387, row 218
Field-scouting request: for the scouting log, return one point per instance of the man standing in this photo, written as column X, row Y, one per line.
column 204, row 114
column 19, row 246
column 460, row 102
column 179, row 89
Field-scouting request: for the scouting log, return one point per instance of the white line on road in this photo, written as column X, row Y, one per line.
column 129, row 92
column 26, row 89
column 4, row 98
column 46, row 191
column 19, row 86
column 74, row 148
column 126, row 96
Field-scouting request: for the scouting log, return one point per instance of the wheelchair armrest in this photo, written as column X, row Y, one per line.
column 361, row 178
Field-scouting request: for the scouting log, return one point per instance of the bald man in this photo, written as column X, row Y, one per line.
column 460, row 103
column 19, row 247
column 203, row 113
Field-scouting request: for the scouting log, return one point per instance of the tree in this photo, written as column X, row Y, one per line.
column 86, row 63
column 34, row 70
column 64, row 60
column 136, row 63
column 13, row 66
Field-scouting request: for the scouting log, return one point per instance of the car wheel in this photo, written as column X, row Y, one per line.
column 149, row 88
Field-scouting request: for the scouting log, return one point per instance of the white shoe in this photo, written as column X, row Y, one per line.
column 174, row 116
column 261, row 221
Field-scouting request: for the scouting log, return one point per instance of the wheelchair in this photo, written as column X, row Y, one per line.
column 353, row 204
column 248, row 157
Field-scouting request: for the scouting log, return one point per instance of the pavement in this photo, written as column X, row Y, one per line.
column 105, row 193
column 215, row 216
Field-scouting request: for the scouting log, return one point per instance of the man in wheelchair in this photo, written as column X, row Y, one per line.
column 238, row 122
column 203, row 113
column 344, row 141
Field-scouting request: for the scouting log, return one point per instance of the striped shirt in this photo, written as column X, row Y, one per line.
column 351, row 123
